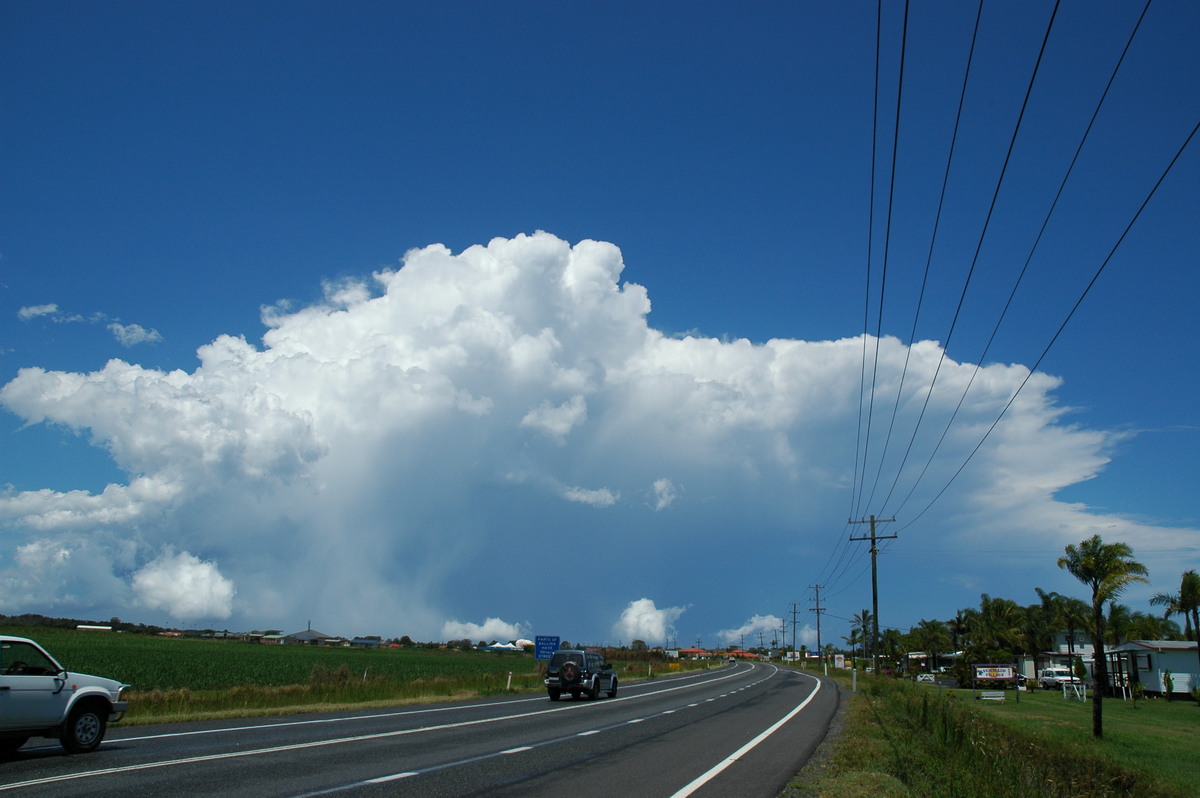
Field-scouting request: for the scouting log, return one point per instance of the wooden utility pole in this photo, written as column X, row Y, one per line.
column 874, row 585
column 817, row 608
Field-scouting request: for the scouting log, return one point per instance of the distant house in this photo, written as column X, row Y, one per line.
column 311, row 637
column 366, row 642
column 1146, row 662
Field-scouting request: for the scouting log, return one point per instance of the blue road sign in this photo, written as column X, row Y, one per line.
column 544, row 646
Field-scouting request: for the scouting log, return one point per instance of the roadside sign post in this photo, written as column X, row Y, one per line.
column 544, row 646
column 995, row 673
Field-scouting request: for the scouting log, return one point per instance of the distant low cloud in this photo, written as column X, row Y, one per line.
column 557, row 420
column 770, row 626
column 126, row 334
column 600, row 497
column 132, row 334
column 185, row 586
column 489, row 630
column 643, row 620
column 664, row 493
column 34, row 311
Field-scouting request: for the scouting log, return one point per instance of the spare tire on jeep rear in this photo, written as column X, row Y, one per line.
column 568, row 672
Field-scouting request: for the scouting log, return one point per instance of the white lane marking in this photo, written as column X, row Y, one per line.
column 518, row 750
column 393, row 777
column 449, row 765
column 322, row 743
column 402, row 713
column 712, row 773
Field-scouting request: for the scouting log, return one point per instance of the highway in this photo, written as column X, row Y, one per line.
column 743, row 729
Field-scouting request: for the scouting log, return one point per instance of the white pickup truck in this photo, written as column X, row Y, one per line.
column 1056, row 676
column 40, row 698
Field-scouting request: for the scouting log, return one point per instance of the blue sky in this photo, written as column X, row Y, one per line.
column 496, row 320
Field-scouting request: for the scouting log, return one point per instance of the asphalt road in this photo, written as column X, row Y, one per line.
column 741, row 730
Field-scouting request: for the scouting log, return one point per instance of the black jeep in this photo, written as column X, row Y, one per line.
column 579, row 673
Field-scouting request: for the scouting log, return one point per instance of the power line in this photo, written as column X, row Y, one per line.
column 860, row 445
column 986, row 223
column 1061, row 327
column 1045, row 223
column 937, row 219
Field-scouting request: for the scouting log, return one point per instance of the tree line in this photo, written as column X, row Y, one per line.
column 1000, row 629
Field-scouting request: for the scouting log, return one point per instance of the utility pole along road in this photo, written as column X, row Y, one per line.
column 742, row 730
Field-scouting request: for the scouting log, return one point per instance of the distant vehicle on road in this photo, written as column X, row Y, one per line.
column 40, row 698
column 580, row 672
column 925, row 677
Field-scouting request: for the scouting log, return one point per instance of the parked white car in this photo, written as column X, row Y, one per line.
column 40, row 698
column 1056, row 676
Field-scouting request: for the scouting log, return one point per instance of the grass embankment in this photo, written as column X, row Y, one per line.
column 189, row 679
column 902, row 739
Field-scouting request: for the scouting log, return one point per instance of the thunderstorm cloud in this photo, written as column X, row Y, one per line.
column 498, row 434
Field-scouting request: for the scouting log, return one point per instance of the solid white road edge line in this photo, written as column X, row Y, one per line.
column 703, row 779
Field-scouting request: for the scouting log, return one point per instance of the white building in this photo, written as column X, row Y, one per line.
column 1147, row 662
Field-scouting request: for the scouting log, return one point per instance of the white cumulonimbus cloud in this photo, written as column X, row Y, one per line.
column 498, row 432
column 643, row 620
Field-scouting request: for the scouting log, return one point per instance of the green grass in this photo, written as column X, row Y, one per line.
column 1153, row 735
column 903, row 739
column 189, row 678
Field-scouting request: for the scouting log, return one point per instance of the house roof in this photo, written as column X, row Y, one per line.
column 1156, row 645
column 309, row 634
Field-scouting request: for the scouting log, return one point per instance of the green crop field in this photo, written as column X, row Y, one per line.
column 174, row 678
column 162, row 663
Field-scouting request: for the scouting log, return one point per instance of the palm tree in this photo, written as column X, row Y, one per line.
column 1117, row 623
column 1107, row 568
column 932, row 638
column 1173, row 607
column 1045, row 620
column 1075, row 615
column 852, row 641
column 862, row 623
column 962, row 628
column 889, row 645
column 1144, row 626
column 1000, row 621
column 1189, row 600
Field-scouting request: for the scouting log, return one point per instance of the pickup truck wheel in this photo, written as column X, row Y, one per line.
column 84, row 728
column 612, row 689
column 554, row 694
column 10, row 744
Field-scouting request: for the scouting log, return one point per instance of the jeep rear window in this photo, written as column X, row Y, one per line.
column 565, row 656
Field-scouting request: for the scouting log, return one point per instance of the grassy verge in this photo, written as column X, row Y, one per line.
column 901, row 739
